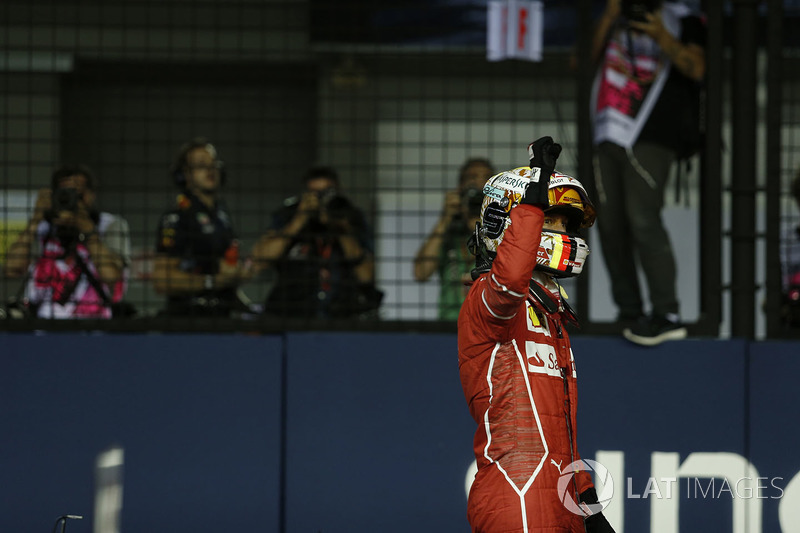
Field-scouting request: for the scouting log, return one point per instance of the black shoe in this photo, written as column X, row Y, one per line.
column 629, row 319
column 626, row 321
column 655, row 330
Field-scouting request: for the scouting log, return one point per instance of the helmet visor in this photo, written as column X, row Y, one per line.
column 572, row 201
column 565, row 196
column 567, row 201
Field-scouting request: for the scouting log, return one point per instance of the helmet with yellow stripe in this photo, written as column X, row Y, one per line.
column 567, row 195
column 559, row 254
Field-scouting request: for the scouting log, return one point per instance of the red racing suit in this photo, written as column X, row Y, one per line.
column 519, row 380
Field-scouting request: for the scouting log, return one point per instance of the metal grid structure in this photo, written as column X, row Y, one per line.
column 395, row 97
column 782, row 301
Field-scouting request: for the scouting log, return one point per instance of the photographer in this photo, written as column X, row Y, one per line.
column 646, row 116
column 81, row 255
column 321, row 249
column 445, row 248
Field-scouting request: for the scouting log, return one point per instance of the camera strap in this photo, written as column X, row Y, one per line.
column 90, row 277
column 93, row 281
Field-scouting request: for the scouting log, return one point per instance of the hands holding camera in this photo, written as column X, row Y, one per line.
column 645, row 17
column 327, row 208
column 65, row 208
column 640, row 15
column 452, row 206
column 69, row 209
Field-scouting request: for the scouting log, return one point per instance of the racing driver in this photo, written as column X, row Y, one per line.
column 514, row 354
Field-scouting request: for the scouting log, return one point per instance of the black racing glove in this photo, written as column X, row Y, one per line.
column 544, row 154
column 596, row 523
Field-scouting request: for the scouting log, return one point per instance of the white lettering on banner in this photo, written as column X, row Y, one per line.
column 472, row 469
column 614, row 461
column 664, row 512
column 789, row 507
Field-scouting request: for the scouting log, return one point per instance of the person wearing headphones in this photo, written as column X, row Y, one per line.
column 76, row 257
column 197, row 265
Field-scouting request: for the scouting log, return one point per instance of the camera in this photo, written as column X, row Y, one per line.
column 66, row 199
column 471, row 200
column 337, row 206
column 637, row 10
column 327, row 196
column 63, row 199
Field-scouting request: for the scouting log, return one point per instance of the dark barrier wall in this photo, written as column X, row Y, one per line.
column 376, row 432
column 379, row 434
column 198, row 418
column 774, row 436
column 672, row 399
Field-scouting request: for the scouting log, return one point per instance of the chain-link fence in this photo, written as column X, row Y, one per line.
column 395, row 97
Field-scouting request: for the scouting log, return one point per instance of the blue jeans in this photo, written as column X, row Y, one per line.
column 630, row 187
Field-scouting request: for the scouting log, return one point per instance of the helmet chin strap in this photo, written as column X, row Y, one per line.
column 483, row 257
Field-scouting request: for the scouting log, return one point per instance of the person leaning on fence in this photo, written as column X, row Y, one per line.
column 320, row 247
column 646, row 110
column 514, row 357
column 76, row 257
column 197, row 265
column 445, row 248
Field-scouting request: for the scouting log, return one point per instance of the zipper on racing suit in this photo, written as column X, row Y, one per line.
column 567, row 406
column 567, row 415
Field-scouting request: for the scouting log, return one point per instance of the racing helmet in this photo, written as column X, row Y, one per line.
column 561, row 254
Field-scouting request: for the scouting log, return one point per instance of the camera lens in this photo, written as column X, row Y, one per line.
column 66, row 199
column 472, row 199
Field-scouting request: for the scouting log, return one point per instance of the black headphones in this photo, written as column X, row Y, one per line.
column 176, row 169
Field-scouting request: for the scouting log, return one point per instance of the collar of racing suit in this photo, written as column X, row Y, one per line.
column 545, row 294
